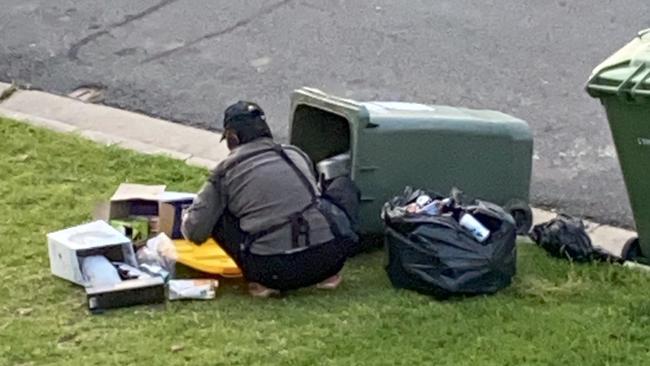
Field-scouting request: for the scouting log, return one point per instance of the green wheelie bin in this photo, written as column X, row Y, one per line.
column 386, row 146
column 622, row 83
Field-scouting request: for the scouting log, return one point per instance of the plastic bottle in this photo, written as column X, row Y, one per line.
column 469, row 222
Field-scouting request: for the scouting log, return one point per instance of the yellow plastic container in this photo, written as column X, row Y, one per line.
column 208, row 258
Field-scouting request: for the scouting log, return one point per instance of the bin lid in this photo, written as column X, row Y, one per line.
column 399, row 115
column 416, row 115
column 626, row 72
column 208, row 258
column 388, row 107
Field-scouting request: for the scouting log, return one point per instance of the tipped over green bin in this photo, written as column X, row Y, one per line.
column 385, row 146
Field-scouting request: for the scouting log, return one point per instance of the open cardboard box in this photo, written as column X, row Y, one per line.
column 148, row 201
column 67, row 247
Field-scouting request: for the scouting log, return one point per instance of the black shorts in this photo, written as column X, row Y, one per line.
column 289, row 271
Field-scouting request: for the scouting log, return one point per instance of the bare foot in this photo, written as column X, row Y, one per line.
column 330, row 283
column 257, row 290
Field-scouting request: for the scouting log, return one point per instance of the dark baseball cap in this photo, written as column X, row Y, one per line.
column 247, row 119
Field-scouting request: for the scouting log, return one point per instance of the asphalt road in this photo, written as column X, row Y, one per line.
column 187, row 59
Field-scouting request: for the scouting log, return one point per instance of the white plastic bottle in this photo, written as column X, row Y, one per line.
column 469, row 222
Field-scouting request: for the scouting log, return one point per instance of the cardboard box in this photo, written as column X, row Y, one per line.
column 67, row 246
column 146, row 200
column 127, row 293
column 131, row 200
column 171, row 217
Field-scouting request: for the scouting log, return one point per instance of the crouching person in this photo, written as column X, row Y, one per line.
column 262, row 204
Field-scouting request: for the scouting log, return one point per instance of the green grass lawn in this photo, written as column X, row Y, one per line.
column 555, row 313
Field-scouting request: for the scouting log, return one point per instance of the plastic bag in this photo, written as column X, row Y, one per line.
column 565, row 237
column 158, row 257
column 435, row 255
column 98, row 271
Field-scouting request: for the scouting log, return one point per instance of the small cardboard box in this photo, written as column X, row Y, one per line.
column 67, row 246
column 147, row 200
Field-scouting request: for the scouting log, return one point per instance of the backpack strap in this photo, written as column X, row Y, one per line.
column 303, row 178
column 300, row 229
column 220, row 171
column 299, row 225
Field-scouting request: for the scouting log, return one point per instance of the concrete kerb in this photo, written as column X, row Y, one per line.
column 98, row 137
column 153, row 149
column 611, row 238
column 196, row 147
column 111, row 121
column 541, row 216
column 4, row 86
column 203, row 163
column 37, row 121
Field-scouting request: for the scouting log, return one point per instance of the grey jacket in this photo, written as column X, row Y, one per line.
column 262, row 192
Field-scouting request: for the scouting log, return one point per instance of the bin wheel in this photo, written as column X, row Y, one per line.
column 522, row 214
column 631, row 250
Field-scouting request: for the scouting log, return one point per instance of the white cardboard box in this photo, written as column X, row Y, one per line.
column 67, row 246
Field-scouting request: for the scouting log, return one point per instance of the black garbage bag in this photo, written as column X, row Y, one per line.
column 434, row 255
column 565, row 237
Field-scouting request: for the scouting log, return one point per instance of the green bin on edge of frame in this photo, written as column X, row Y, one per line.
column 622, row 83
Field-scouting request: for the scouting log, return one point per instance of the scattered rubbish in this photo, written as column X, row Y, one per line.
column 101, row 255
column 93, row 255
column 158, row 257
column 192, row 289
column 565, row 237
column 439, row 256
column 19, row 158
column 636, row 265
column 129, row 272
column 88, row 94
column 67, row 337
column 177, row 348
column 24, row 311
column 155, row 270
